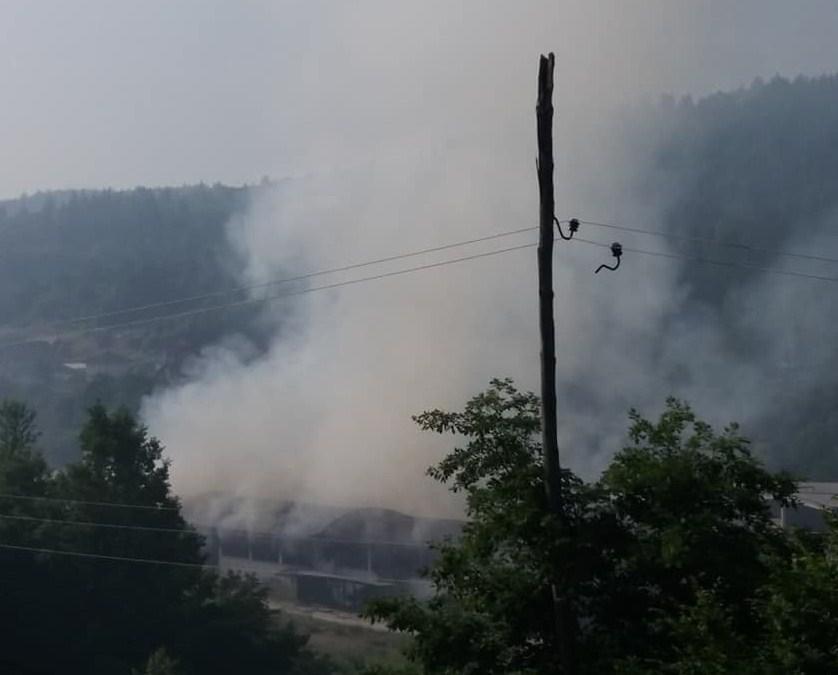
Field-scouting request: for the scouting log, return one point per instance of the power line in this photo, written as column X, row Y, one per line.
column 278, row 296
column 285, row 280
column 119, row 558
column 401, row 256
column 173, row 530
column 87, row 523
column 62, row 500
column 198, row 526
column 714, row 242
column 708, row 261
column 101, row 556
column 270, row 298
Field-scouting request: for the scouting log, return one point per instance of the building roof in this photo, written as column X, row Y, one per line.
column 818, row 495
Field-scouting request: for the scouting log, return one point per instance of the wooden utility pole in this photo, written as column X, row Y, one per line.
column 564, row 620
column 549, row 438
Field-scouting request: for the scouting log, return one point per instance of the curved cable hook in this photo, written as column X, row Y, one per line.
column 617, row 252
column 574, row 226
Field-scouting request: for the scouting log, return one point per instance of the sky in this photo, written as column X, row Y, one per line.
column 103, row 93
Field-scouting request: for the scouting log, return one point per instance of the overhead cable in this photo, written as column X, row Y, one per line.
column 101, row 556
column 709, row 261
column 174, row 530
column 712, row 242
column 35, row 498
column 258, row 301
column 286, row 280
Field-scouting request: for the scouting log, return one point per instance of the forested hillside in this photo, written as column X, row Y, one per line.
column 67, row 254
column 756, row 167
column 73, row 254
column 739, row 178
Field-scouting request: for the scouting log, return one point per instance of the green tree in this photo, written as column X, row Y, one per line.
column 23, row 470
column 694, row 505
column 669, row 561
column 799, row 607
column 144, row 590
column 24, row 477
column 17, row 426
column 492, row 610
column 228, row 623
column 121, row 464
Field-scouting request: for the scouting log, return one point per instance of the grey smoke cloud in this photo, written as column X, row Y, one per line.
column 410, row 125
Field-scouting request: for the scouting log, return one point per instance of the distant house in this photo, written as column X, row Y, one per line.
column 320, row 555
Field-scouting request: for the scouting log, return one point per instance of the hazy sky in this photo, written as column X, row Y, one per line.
column 103, row 92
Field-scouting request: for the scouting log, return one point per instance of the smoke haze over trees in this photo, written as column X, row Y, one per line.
column 747, row 167
column 80, row 253
column 751, row 167
column 756, row 167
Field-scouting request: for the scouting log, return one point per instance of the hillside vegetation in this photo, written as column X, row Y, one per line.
column 759, row 167
column 80, row 253
column 740, row 178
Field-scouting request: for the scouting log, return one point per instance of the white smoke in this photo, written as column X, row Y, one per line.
column 412, row 125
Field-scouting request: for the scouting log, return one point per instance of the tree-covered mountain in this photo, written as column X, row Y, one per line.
column 756, row 166
column 71, row 254
column 67, row 254
column 756, row 169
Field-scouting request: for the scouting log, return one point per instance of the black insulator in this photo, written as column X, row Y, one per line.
column 617, row 252
column 574, row 225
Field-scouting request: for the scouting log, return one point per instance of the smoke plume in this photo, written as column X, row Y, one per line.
column 414, row 127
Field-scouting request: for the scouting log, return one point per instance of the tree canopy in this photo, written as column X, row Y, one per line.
column 85, row 589
column 81, row 253
column 671, row 561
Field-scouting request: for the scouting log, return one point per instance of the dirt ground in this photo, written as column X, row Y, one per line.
column 345, row 637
